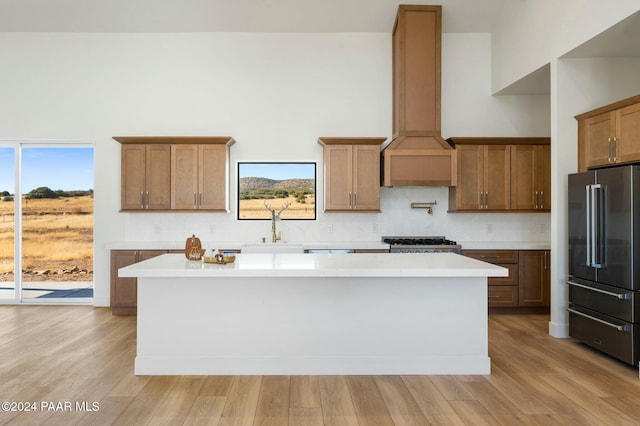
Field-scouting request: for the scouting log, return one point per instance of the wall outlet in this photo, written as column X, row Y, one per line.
column 374, row 228
column 543, row 228
column 489, row 228
column 329, row 229
column 212, row 228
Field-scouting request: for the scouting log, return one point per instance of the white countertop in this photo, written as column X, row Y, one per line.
column 308, row 245
column 505, row 245
column 237, row 245
column 318, row 265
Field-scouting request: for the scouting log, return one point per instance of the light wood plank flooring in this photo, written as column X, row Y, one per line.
column 56, row 355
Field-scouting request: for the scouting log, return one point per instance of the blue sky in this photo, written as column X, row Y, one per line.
column 58, row 168
column 277, row 171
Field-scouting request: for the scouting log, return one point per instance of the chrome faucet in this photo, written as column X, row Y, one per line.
column 275, row 237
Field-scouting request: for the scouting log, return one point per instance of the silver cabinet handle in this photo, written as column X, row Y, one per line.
column 609, row 149
column 541, row 202
column 142, row 199
column 195, row 200
column 350, row 204
column 355, row 200
column 615, row 149
column 200, row 200
column 621, row 296
column 486, row 200
column 480, row 202
column 147, row 201
column 617, row 327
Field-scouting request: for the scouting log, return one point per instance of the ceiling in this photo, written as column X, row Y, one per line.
column 232, row 15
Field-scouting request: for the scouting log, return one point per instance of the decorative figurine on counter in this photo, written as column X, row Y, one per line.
column 193, row 248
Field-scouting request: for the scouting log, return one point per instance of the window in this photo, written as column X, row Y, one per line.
column 288, row 188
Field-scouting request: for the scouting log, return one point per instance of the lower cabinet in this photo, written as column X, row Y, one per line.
column 124, row 291
column 528, row 282
column 534, row 277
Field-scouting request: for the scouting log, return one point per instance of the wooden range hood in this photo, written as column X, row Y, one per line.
column 418, row 154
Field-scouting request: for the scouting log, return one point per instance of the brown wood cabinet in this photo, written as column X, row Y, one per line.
column 124, row 291
column 175, row 173
column 531, row 177
column 146, row 171
column 529, row 280
column 351, row 174
column 610, row 134
column 502, row 174
column 199, row 177
column 502, row 291
column 534, row 277
column 483, row 178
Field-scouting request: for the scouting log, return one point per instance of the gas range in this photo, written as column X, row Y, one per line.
column 421, row 245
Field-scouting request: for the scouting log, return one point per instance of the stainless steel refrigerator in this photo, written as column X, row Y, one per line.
column 604, row 260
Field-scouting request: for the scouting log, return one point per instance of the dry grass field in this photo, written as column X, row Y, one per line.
column 57, row 237
column 255, row 209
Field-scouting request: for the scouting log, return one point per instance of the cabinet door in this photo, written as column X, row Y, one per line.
column 599, row 132
column 524, row 177
column 212, row 177
column 470, row 177
column 627, row 140
column 133, row 187
column 338, row 163
column 534, row 277
column 184, row 177
column 497, row 183
column 158, row 177
column 544, row 177
column 124, row 291
column 366, row 177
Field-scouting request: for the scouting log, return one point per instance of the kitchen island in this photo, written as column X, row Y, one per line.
column 392, row 313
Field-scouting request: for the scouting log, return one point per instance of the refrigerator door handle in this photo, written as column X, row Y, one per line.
column 621, row 296
column 607, row 323
column 595, row 220
column 588, row 222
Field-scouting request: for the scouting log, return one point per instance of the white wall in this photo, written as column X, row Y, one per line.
column 275, row 94
column 531, row 33
column 578, row 85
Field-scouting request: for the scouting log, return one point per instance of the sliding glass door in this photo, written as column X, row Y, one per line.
column 54, row 226
column 7, row 223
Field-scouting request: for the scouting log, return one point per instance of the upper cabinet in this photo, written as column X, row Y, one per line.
column 351, row 174
column 483, row 178
column 531, row 177
column 418, row 155
column 502, row 174
column 146, row 170
column 609, row 135
column 175, row 173
column 199, row 177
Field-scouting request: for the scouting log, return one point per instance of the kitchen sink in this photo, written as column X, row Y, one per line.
column 272, row 248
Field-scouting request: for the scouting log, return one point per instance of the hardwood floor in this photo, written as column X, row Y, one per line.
column 65, row 359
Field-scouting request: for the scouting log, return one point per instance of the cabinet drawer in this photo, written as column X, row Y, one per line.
column 511, row 279
column 503, row 295
column 493, row 256
column 610, row 335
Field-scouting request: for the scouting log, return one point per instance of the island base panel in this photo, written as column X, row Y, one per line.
column 289, row 325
